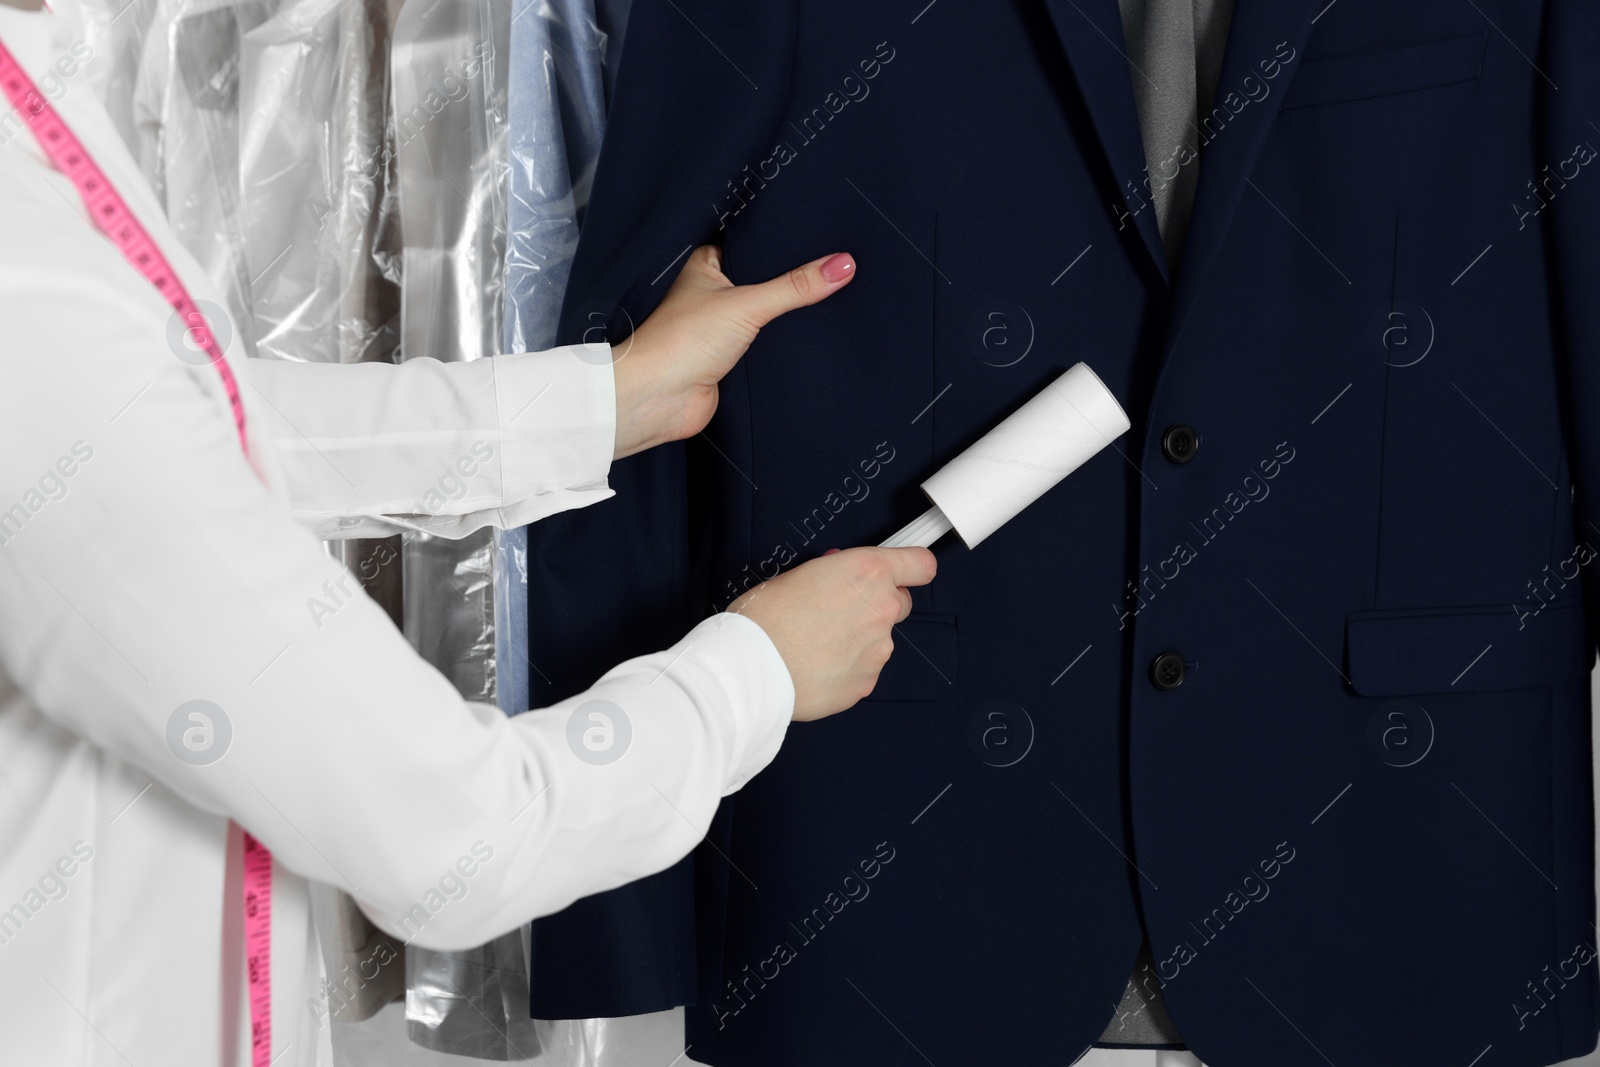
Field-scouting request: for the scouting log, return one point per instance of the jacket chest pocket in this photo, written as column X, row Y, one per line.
column 1366, row 76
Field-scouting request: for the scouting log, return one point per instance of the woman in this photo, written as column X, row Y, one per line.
column 179, row 657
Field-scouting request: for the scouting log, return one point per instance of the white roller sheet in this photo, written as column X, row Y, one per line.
column 1018, row 461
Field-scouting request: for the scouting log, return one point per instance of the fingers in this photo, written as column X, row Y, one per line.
column 706, row 256
column 799, row 288
column 701, row 271
column 901, row 567
column 909, row 566
column 897, row 568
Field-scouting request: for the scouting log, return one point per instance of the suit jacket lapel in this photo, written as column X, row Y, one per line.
column 1265, row 35
column 1091, row 33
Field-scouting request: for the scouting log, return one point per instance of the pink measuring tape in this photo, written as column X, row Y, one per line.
column 116, row 220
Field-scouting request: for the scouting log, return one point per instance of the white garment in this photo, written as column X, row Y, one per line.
column 144, row 565
column 1131, row 1057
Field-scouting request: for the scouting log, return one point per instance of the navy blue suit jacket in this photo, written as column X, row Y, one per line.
column 1360, row 830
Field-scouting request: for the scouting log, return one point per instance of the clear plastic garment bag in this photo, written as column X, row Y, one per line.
column 449, row 72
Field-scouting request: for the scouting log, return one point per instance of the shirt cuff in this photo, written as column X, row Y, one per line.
column 760, row 691
column 558, row 420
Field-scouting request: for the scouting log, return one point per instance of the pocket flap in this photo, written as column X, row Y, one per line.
column 1408, row 652
column 1400, row 70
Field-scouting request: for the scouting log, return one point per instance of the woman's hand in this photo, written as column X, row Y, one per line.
column 667, row 372
column 832, row 618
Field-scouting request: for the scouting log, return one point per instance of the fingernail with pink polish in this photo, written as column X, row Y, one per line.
column 838, row 268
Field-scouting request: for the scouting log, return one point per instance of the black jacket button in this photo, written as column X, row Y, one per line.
column 1179, row 443
column 1166, row 670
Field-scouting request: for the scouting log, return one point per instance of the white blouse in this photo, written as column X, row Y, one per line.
column 145, row 566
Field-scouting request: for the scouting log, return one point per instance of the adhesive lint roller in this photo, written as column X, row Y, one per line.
column 1018, row 461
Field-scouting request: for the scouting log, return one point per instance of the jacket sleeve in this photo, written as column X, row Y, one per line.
column 702, row 92
column 1571, row 59
column 370, row 449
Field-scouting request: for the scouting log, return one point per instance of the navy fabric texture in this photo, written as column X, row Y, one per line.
column 1360, row 830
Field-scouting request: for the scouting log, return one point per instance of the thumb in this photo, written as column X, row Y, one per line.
column 798, row 288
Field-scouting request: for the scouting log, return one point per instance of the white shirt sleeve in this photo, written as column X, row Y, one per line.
column 144, row 566
column 370, row 449
column 356, row 762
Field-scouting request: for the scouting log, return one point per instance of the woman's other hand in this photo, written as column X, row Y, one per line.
column 667, row 372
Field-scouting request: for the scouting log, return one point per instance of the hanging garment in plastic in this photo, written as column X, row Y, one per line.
column 319, row 238
column 556, row 111
column 557, row 115
column 449, row 106
column 261, row 126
